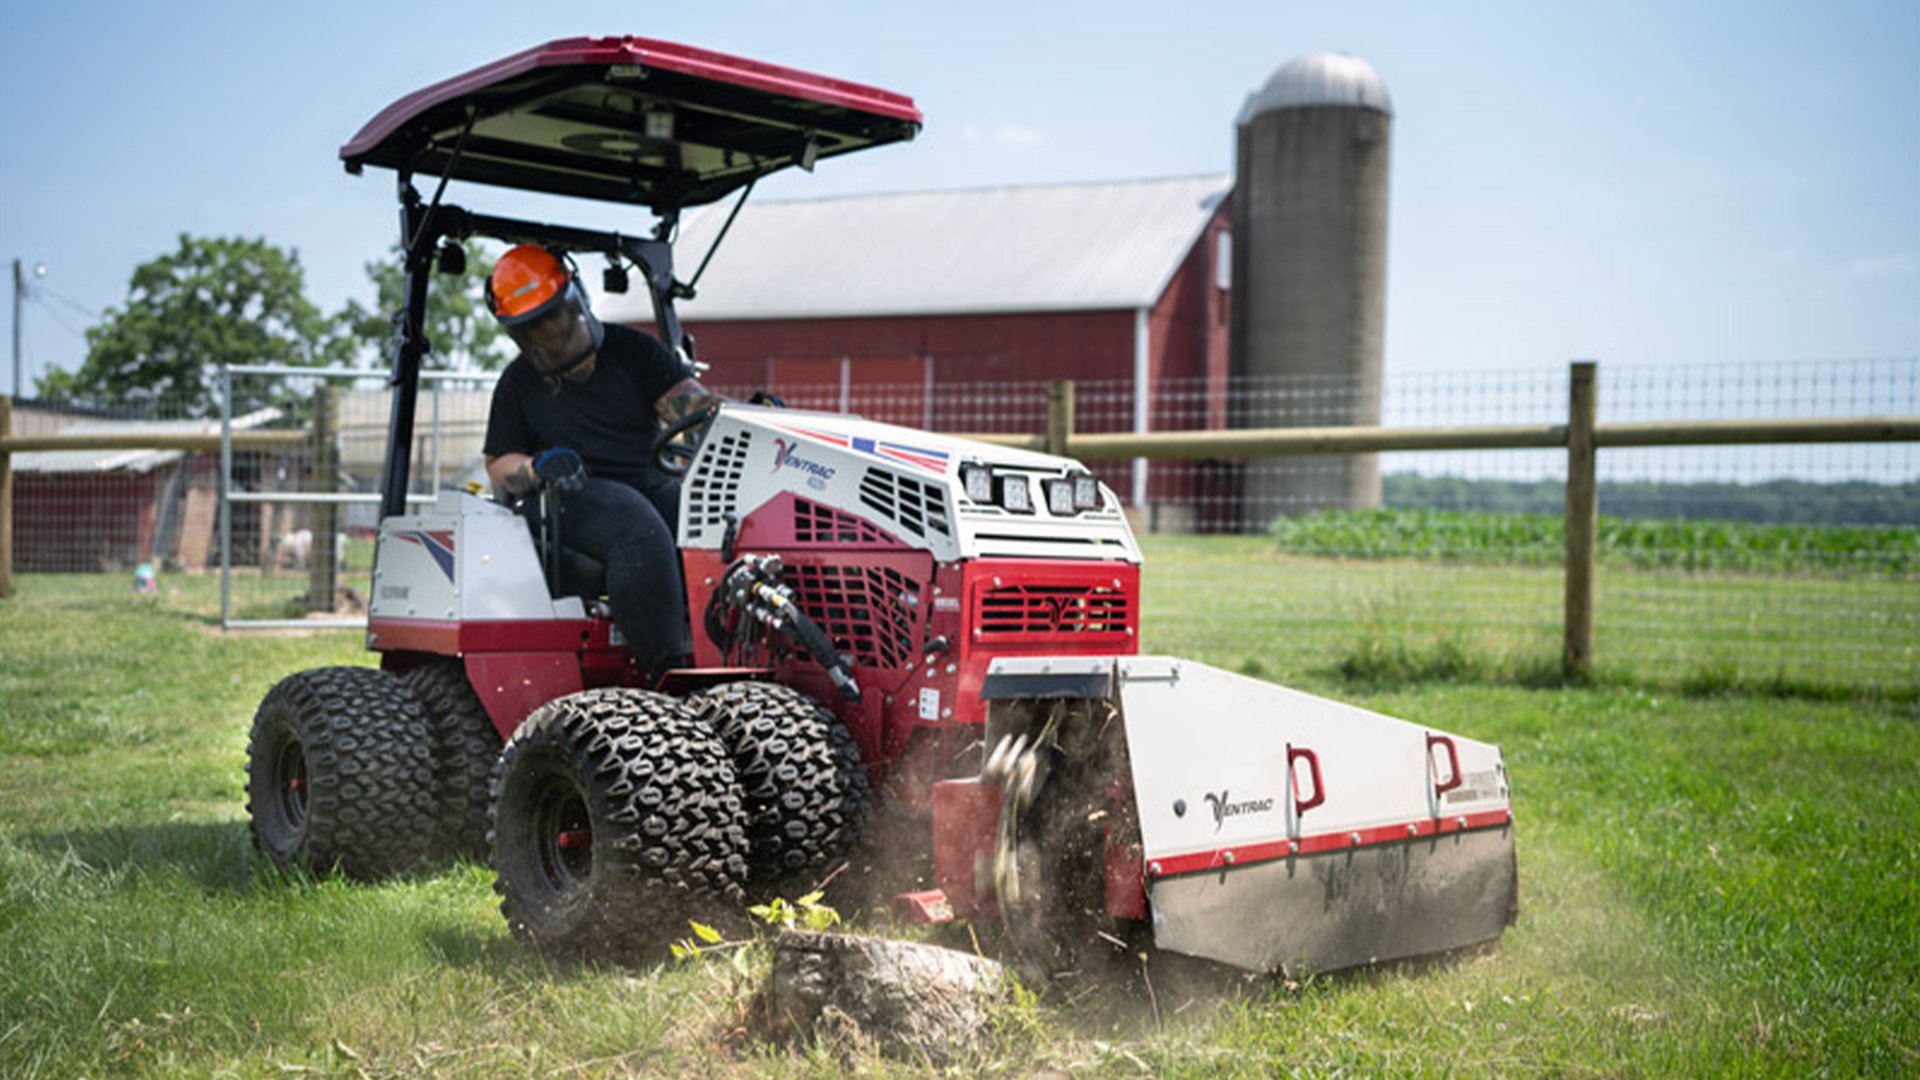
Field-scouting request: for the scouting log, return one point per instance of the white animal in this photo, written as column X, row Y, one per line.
column 292, row 550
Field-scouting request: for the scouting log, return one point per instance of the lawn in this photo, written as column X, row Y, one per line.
column 1714, row 880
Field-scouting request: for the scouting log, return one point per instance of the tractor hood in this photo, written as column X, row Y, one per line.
column 627, row 120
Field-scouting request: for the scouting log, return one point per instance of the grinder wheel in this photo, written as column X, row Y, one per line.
column 1067, row 801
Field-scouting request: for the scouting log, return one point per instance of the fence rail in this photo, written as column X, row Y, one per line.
column 1582, row 438
column 1279, row 442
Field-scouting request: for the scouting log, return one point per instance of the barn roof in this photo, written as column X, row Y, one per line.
column 132, row 461
column 1055, row 247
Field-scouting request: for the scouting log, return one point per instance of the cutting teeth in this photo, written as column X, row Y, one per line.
column 1006, row 753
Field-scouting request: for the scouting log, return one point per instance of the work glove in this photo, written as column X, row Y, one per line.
column 560, row 469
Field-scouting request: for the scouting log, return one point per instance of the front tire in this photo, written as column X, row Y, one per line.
column 616, row 817
column 340, row 774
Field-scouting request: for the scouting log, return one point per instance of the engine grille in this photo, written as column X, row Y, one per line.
column 817, row 524
column 871, row 613
column 920, row 509
column 1048, row 610
column 713, row 491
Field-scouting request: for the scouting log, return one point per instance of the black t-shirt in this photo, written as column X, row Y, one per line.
column 608, row 417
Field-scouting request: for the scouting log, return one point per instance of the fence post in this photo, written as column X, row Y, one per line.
column 6, row 500
column 1059, row 415
column 1583, row 513
column 323, row 585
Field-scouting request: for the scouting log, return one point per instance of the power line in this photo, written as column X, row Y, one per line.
column 64, row 325
column 67, row 300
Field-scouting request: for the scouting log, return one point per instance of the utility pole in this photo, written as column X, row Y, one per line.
column 19, row 291
column 20, row 295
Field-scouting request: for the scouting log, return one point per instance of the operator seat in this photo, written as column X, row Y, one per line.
column 580, row 574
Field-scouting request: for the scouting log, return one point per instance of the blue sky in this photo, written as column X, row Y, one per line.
column 1645, row 183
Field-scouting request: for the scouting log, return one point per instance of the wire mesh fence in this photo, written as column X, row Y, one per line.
column 1764, row 565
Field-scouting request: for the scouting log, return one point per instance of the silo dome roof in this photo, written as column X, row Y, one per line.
column 1328, row 78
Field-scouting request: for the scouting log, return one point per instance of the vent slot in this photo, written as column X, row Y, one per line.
column 919, row 509
column 1049, row 610
column 712, row 492
column 871, row 613
column 817, row 524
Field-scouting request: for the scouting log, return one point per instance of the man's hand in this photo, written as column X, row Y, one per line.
column 560, row 469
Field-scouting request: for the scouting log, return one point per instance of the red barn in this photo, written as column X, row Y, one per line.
column 950, row 310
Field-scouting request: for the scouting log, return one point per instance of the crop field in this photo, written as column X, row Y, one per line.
column 1393, row 594
column 1720, row 867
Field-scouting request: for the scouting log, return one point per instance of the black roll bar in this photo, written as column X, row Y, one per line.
column 421, row 230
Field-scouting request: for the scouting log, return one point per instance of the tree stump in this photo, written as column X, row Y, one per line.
column 907, row 1001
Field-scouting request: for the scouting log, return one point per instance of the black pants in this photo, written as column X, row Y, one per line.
column 632, row 531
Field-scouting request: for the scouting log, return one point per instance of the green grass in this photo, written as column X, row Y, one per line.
column 1712, row 883
column 1242, row 603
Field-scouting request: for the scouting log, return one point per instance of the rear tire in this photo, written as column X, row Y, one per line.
column 466, row 747
column 616, row 818
column 340, row 774
column 804, row 784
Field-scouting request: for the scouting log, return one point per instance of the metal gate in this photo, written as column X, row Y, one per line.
column 314, row 509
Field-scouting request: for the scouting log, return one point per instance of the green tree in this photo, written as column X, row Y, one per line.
column 459, row 327
column 214, row 300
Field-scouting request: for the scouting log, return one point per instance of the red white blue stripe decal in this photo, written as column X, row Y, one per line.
column 934, row 461
column 438, row 542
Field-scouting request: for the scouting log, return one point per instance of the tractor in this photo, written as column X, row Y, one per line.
column 887, row 622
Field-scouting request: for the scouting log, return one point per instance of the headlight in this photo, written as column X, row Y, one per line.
column 1086, row 491
column 1060, row 498
column 1015, row 495
column 978, row 481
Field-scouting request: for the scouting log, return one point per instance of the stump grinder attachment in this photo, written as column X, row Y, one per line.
column 1254, row 825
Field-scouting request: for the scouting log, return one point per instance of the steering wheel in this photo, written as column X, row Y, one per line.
column 678, row 442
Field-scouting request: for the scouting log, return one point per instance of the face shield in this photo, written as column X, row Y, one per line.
column 543, row 308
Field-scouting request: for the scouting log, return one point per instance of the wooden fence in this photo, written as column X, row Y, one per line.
column 1581, row 436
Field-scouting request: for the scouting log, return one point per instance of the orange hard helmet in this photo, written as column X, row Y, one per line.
column 526, row 279
column 536, row 296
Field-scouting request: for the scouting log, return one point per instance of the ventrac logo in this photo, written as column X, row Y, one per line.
column 1056, row 614
column 785, row 457
column 1222, row 809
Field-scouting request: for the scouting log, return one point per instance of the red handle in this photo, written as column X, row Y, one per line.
column 1313, row 767
column 1453, row 763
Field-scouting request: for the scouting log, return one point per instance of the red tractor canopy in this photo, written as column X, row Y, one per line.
column 628, row 120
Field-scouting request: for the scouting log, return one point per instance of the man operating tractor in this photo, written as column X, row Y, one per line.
column 578, row 410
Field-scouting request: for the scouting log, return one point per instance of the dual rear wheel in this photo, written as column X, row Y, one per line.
column 612, row 815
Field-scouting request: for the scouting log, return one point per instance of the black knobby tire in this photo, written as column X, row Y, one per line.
column 800, row 772
column 340, row 774
column 466, row 747
column 616, row 818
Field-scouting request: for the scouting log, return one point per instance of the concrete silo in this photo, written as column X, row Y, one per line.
column 1310, row 274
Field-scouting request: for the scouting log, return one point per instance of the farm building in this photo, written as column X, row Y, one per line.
column 922, row 308
column 90, row 510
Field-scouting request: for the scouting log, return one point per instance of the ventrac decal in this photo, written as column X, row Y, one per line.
column 1222, row 809
column 438, row 542
column 920, row 457
column 785, row 456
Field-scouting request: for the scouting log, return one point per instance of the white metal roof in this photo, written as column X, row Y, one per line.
column 133, row 461
column 1057, row 247
column 1328, row 78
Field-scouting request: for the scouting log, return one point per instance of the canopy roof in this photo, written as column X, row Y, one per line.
column 628, row 120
